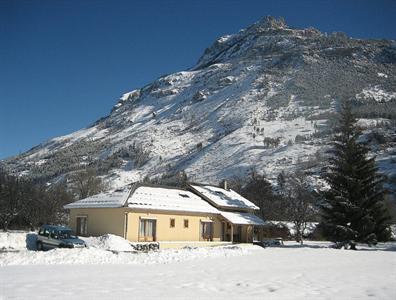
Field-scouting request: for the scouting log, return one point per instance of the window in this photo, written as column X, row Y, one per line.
column 185, row 223
column 81, row 226
column 65, row 234
column 54, row 234
column 172, row 223
column 147, row 230
column 44, row 232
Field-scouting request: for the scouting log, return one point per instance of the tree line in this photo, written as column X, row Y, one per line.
column 24, row 204
column 27, row 204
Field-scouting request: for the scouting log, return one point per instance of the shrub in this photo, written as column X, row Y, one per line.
column 271, row 142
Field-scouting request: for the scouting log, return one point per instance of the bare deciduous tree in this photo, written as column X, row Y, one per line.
column 10, row 200
column 25, row 204
column 86, row 183
column 299, row 201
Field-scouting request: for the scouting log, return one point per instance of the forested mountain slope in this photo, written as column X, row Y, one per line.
column 263, row 98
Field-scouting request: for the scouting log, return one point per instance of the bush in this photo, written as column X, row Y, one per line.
column 317, row 234
column 276, row 231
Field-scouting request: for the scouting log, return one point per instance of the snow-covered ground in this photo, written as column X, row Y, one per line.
column 313, row 271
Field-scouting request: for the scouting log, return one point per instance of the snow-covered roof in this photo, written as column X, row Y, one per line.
column 224, row 198
column 241, row 218
column 170, row 199
column 166, row 198
column 103, row 200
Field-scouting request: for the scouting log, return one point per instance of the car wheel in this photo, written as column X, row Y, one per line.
column 39, row 246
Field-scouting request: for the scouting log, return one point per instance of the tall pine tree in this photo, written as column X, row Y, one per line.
column 353, row 208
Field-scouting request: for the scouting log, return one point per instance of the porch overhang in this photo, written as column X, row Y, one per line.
column 242, row 218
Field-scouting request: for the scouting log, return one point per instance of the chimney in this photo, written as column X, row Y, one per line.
column 225, row 185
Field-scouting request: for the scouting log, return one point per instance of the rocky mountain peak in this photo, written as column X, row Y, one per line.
column 262, row 34
column 270, row 22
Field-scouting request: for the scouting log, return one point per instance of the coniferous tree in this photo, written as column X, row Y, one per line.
column 353, row 208
column 259, row 190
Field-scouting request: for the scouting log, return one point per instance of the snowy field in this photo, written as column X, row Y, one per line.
column 313, row 271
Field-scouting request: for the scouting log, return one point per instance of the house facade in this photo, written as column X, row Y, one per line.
column 172, row 217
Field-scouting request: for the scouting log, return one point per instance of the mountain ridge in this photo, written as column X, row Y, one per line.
column 262, row 98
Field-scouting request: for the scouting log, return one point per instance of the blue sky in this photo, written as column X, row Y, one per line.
column 63, row 64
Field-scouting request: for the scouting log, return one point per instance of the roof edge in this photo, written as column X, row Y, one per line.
column 218, row 213
column 247, row 209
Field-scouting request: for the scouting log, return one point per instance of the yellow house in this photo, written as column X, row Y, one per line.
column 201, row 215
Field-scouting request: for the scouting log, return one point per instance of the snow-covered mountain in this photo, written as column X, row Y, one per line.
column 262, row 98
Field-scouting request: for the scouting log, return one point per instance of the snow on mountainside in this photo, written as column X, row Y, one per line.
column 264, row 97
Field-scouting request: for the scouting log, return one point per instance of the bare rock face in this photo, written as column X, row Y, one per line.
column 262, row 98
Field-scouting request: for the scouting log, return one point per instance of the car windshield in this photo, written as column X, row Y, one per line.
column 66, row 234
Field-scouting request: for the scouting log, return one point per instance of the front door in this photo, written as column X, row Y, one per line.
column 81, row 226
column 147, row 230
column 223, row 231
column 206, row 231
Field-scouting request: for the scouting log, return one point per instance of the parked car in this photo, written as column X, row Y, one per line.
column 51, row 236
column 277, row 242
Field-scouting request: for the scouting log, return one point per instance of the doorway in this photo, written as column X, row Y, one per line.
column 147, row 230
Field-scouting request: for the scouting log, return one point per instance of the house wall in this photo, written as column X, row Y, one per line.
column 163, row 230
column 112, row 220
column 100, row 220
